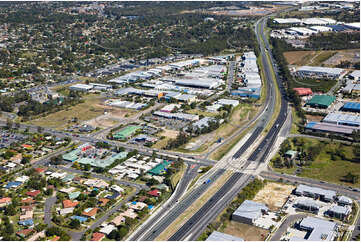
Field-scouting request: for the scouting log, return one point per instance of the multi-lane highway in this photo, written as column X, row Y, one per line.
column 193, row 228
column 174, row 212
column 198, row 222
column 188, row 176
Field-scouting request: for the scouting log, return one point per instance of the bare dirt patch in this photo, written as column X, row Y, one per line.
column 274, row 195
column 315, row 118
column 169, row 133
column 245, row 231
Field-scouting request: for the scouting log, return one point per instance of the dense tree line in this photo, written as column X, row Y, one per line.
column 334, row 41
column 280, row 46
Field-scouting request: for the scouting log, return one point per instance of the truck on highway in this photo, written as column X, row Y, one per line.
column 208, row 181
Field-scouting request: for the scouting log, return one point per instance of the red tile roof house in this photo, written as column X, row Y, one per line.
column 154, row 193
column 39, row 170
column 69, row 204
column 97, row 236
column 26, row 146
column 5, row 201
column 24, row 233
column 103, row 201
column 90, row 212
column 28, row 200
column 33, row 193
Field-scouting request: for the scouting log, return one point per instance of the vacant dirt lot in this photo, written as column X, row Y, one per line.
column 274, row 195
column 329, row 58
column 316, row 118
column 169, row 133
column 245, row 231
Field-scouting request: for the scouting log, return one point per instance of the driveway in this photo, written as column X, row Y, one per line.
column 286, row 224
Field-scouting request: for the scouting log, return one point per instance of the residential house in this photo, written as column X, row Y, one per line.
column 65, row 211
column 103, row 202
column 27, row 223
column 137, row 205
column 24, row 233
column 5, row 201
column 26, row 216
column 33, row 193
column 129, row 213
column 97, row 236
column 69, row 204
column 118, row 220
column 117, row 188
column 154, row 193
column 107, row 229
column 28, row 200
column 90, row 212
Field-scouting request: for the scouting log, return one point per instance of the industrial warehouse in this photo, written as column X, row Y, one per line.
column 320, row 72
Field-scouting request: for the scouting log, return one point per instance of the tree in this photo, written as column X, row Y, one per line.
column 74, row 224
column 40, row 129
column 356, row 136
column 123, row 231
column 9, row 124
column 10, row 210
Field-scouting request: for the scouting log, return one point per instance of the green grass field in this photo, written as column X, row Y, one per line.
column 323, row 167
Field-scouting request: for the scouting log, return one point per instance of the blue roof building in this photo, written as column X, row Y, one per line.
column 247, row 92
column 81, row 219
column 13, row 184
column 28, row 222
column 351, row 107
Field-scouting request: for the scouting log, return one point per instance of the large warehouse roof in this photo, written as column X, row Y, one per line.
column 321, row 100
column 351, row 106
column 340, row 118
column 315, row 190
column 287, row 20
column 250, row 209
column 206, row 83
column 328, row 127
column 218, row 236
column 321, row 229
column 318, row 69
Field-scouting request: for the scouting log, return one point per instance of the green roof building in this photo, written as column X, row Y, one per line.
column 73, row 195
column 160, row 169
column 102, row 163
column 126, row 132
column 321, row 101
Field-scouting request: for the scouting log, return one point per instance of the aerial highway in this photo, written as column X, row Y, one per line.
column 192, row 229
column 183, row 184
column 152, row 232
column 195, row 225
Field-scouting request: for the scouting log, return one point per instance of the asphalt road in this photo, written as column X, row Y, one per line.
column 230, row 76
column 49, row 203
column 308, row 181
column 189, row 175
column 286, row 224
column 199, row 221
column 266, row 144
column 178, row 209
